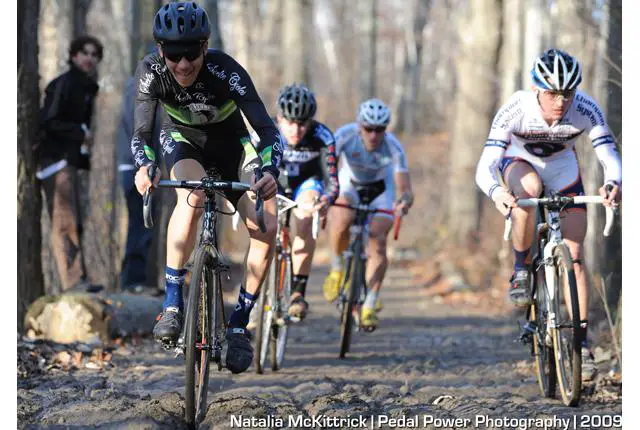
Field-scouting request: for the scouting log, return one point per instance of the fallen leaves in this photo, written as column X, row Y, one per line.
column 36, row 357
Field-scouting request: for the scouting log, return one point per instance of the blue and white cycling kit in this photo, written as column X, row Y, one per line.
column 520, row 133
column 368, row 166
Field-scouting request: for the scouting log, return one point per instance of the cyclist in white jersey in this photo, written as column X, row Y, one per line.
column 531, row 145
column 369, row 155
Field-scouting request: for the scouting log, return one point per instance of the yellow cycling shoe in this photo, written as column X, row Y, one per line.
column 368, row 319
column 332, row 283
column 379, row 305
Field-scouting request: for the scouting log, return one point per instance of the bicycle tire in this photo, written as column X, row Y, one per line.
column 347, row 320
column 263, row 328
column 542, row 351
column 281, row 296
column 567, row 355
column 198, row 330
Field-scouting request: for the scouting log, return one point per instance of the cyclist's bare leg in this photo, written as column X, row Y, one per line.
column 573, row 224
column 303, row 244
column 377, row 252
column 181, row 237
column 183, row 225
column 524, row 182
column 340, row 219
column 261, row 245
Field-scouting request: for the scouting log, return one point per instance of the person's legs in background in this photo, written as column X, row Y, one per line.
column 134, row 263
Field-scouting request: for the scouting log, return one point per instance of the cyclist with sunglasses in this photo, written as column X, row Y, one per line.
column 203, row 92
column 373, row 156
column 531, row 145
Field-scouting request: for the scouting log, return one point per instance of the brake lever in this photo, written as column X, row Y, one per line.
column 259, row 202
column 147, row 204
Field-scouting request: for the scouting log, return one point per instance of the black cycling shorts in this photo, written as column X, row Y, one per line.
column 224, row 154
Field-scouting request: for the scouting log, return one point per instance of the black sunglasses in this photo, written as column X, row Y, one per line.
column 380, row 129
column 175, row 52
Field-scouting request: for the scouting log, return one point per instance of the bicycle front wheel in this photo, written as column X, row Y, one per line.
column 349, row 305
column 264, row 321
column 198, row 340
column 566, row 339
column 281, row 296
column 542, row 344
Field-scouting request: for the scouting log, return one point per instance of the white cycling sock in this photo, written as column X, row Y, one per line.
column 372, row 298
column 336, row 262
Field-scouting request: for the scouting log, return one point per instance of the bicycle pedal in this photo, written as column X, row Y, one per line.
column 526, row 332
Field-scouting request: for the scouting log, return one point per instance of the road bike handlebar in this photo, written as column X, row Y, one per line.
column 396, row 218
column 206, row 184
column 563, row 200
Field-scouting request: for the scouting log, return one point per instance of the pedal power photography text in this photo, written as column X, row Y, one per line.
column 424, row 420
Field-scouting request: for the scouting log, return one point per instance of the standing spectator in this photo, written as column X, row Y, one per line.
column 134, row 265
column 64, row 148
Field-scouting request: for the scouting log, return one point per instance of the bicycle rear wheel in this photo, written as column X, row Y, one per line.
column 566, row 339
column 542, row 346
column 348, row 321
column 198, row 339
column 281, row 297
column 264, row 321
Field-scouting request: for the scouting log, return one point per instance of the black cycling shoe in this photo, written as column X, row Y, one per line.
column 169, row 326
column 237, row 352
column 298, row 308
column 520, row 292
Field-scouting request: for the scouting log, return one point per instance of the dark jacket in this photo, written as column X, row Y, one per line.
column 125, row 128
column 67, row 105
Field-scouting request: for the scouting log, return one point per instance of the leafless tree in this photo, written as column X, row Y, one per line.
column 30, row 280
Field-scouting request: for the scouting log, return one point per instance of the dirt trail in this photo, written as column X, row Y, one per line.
column 422, row 350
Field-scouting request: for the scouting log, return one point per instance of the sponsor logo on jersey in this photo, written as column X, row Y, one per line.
column 213, row 68
column 203, row 98
column 199, row 107
column 158, row 68
column 299, row 156
column 324, row 134
column 234, row 84
column 547, row 136
column 199, row 85
column 183, row 96
column 167, row 143
column 145, row 83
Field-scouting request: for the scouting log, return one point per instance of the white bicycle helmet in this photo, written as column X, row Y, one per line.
column 557, row 71
column 374, row 112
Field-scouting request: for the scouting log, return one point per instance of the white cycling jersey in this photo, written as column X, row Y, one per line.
column 366, row 167
column 519, row 131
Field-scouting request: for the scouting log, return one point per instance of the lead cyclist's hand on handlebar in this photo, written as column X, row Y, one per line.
column 143, row 182
column 610, row 197
column 505, row 201
column 266, row 185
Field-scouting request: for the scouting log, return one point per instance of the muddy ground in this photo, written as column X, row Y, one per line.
column 423, row 349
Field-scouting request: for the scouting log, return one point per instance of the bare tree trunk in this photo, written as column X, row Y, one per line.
column 100, row 242
column 475, row 106
column 297, row 35
column 54, row 35
column 134, row 35
column 417, row 16
column 367, row 50
column 80, row 10
column 241, row 32
column 30, row 280
column 574, row 35
column 534, row 11
column 612, row 258
column 215, row 41
column 512, row 49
